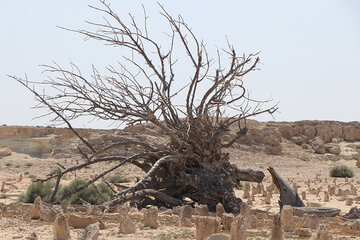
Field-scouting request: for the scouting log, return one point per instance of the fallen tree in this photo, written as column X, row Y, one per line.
column 142, row 89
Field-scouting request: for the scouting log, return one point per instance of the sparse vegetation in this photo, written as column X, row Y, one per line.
column 88, row 194
column 305, row 146
column 42, row 189
column 341, row 171
column 8, row 164
column 118, row 178
column 164, row 236
column 28, row 164
column 55, row 171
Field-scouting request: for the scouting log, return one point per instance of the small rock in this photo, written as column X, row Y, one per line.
column 151, row 217
column 205, row 227
column 219, row 236
column 322, row 233
column 5, row 151
column 238, row 228
column 286, row 217
column 61, row 227
column 276, row 230
column 91, row 232
column 126, row 225
column 302, row 232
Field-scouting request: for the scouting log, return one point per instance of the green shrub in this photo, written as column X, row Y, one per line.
column 44, row 190
column 341, row 171
column 88, row 194
column 117, row 178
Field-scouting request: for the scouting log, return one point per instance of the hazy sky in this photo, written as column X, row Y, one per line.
column 310, row 50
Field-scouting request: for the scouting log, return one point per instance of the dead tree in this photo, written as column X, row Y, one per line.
column 144, row 88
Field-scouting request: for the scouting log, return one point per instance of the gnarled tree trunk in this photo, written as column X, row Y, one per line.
column 193, row 165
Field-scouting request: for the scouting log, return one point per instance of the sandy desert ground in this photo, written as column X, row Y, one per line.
column 297, row 164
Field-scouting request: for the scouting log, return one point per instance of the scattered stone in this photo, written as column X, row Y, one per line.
column 318, row 145
column 252, row 221
column 267, row 200
column 303, row 232
column 185, row 216
column 238, row 228
column 246, row 194
column 244, row 209
column 287, row 218
column 126, row 225
column 219, row 236
column 220, row 210
column 326, row 196
column 32, row 236
column 303, row 195
column 349, row 202
column 91, row 232
column 34, row 211
column 332, row 148
column 322, row 233
column 202, row 210
column 77, row 221
column 299, row 140
column 276, row 231
column 5, row 151
column 227, row 220
column 61, row 227
column 151, row 217
column 205, row 227
column 356, row 225
column 247, row 186
column 310, row 221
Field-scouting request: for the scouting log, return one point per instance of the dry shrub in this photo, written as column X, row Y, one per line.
column 341, row 171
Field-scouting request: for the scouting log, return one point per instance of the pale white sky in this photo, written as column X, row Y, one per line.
column 310, row 50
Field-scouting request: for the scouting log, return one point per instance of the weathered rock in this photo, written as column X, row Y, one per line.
column 276, row 230
column 332, row 148
column 356, row 225
column 185, row 216
column 310, row 221
column 349, row 202
column 322, row 233
column 126, row 225
column 227, row 220
column 34, row 212
column 219, row 236
column 220, row 210
column 238, row 228
column 326, row 196
column 61, row 227
column 299, row 140
column 318, row 145
column 303, row 233
column 358, row 163
column 151, row 217
column 4, row 152
column 205, row 226
column 32, row 236
column 303, row 195
column 91, row 232
column 77, row 221
column 287, row 223
column 246, row 194
column 202, row 210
